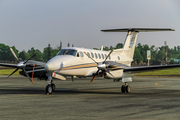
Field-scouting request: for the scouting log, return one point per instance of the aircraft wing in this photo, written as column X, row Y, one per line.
column 149, row 68
column 30, row 62
column 8, row 65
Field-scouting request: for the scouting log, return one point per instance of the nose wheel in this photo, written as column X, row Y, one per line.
column 125, row 88
column 50, row 88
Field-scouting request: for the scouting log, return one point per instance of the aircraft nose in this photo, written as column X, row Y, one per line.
column 49, row 66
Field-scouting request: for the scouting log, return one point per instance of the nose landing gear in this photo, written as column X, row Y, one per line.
column 50, row 88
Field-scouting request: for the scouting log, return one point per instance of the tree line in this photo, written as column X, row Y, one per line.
column 158, row 54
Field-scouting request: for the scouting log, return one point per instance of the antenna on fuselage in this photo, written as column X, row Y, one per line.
column 102, row 48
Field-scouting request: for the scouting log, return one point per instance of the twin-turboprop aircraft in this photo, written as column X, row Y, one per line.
column 82, row 62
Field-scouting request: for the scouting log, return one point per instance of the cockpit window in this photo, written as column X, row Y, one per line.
column 67, row 52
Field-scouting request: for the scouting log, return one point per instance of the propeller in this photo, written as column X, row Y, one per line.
column 12, row 51
column 22, row 65
column 101, row 66
column 33, row 73
column 108, row 55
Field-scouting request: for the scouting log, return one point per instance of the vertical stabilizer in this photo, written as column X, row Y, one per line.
column 129, row 44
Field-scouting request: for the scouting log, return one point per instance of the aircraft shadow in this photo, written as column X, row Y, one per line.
column 145, row 93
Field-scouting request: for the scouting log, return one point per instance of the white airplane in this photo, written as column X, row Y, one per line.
column 82, row 62
column 116, row 64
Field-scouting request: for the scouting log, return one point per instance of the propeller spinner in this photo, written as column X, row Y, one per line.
column 101, row 66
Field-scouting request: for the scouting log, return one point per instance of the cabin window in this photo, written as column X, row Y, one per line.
column 118, row 58
column 96, row 55
column 81, row 54
column 88, row 54
column 102, row 56
column 92, row 55
column 99, row 56
column 105, row 56
column 67, row 52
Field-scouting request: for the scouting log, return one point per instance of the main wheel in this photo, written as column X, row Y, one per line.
column 49, row 89
column 53, row 87
column 128, row 89
column 123, row 88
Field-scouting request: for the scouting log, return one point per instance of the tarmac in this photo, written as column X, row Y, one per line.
column 150, row 99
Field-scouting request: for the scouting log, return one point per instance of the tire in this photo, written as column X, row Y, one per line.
column 49, row 89
column 123, row 89
column 53, row 87
column 128, row 89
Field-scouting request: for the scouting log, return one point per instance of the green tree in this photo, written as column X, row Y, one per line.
column 111, row 47
column 119, row 46
column 5, row 53
column 47, row 55
column 23, row 55
column 142, row 52
column 38, row 55
column 54, row 52
column 95, row 48
column 106, row 48
column 137, row 56
column 161, row 54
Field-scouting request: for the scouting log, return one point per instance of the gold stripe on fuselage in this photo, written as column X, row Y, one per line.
column 79, row 66
column 84, row 66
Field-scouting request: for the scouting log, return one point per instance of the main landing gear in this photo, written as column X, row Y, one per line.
column 50, row 88
column 125, row 88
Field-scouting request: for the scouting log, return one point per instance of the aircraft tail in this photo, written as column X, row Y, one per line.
column 130, row 42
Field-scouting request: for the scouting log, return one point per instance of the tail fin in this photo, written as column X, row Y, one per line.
column 130, row 42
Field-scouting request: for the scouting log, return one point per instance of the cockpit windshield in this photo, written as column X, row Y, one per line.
column 67, row 52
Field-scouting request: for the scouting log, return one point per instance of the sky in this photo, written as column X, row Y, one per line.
column 37, row 23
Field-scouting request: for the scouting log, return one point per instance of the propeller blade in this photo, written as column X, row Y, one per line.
column 26, row 74
column 13, row 72
column 90, row 58
column 29, row 58
column 12, row 51
column 33, row 73
column 92, row 80
column 108, row 55
column 93, row 77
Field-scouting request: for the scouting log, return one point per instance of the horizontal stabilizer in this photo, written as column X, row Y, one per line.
column 138, row 30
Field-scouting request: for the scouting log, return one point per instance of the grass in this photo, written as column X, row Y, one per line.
column 175, row 71
column 9, row 71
